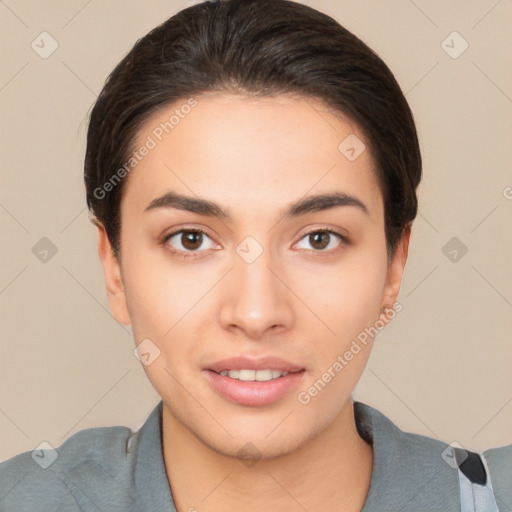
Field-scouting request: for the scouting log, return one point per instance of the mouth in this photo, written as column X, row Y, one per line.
column 253, row 382
column 248, row 375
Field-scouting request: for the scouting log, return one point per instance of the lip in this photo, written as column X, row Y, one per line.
column 253, row 393
column 250, row 363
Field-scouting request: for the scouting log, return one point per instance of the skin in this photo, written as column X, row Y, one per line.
column 255, row 156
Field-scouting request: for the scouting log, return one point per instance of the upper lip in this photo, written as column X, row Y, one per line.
column 249, row 363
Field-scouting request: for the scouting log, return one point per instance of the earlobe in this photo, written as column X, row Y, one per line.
column 113, row 279
column 395, row 272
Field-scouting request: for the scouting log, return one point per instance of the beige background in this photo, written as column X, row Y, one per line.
column 442, row 368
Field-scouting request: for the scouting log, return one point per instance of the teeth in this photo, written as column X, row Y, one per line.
column 253, row 375
column 245, row 374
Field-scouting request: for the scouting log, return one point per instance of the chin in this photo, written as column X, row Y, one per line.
column 251, row 450
column 261, row 442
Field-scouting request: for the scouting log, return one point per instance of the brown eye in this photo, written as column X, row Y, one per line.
column 323, row 240
column 319, row 239
column 191, row 240
column 188, row 242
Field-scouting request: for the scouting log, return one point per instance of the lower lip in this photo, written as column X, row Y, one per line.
column 253, row 393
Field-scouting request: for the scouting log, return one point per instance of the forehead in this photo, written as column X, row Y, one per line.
column 250, row 153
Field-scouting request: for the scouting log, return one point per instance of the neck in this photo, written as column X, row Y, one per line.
column 330, row 472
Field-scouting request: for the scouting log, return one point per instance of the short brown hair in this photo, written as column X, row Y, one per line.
column 256, row 48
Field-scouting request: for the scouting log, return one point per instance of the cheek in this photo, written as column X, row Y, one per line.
column 168, row 304
column 158, row 293
column 347, row 301
column 164, row 306
column 345, row 298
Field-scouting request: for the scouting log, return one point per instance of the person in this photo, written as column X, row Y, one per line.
column 252, row 167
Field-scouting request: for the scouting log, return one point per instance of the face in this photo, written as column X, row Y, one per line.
column 261, row 277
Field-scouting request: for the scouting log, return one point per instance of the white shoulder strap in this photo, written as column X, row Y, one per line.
column 475, row 497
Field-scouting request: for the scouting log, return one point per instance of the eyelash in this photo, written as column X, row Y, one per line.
column 189, row 254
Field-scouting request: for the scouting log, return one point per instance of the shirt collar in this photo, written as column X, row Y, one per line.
column 406, row 467
column 151, row 486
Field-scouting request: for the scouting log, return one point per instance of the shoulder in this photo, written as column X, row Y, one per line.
column 71, row 476
column 415, row 472
column 499, row 465
column 417, row 452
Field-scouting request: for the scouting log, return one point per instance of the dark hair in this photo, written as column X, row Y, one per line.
column 257, row 48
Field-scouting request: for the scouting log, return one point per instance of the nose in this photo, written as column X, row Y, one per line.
column 255, row 297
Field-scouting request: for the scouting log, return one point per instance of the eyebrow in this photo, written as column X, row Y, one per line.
column 309, row 204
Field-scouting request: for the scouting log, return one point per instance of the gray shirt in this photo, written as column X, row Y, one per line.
column 112, row 469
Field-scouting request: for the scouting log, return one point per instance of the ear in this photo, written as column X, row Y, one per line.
column 395, row 271
column 113, row 279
